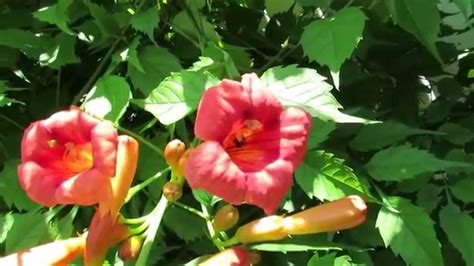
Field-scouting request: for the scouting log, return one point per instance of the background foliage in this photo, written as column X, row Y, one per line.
column 407, row 64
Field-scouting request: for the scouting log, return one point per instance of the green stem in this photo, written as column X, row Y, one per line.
column 212, row 233
column 154, row 222
column 12, row 122
column 137, row 188
column 191, row 210
column 141, row 139
column 96, row 73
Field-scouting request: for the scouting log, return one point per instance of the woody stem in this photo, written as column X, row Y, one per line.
column 154, row 222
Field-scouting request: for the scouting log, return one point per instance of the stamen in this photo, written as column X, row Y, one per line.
column 52, row 143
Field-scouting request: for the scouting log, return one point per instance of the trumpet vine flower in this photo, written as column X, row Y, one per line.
column 67, row 158
column 251, row 145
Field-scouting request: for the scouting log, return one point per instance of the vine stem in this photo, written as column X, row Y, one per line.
column 191, row 210
column 141, row 139
column 212, row 233
column 12, row 122
column 135, row 189
column 96, row 73
column 154, row 221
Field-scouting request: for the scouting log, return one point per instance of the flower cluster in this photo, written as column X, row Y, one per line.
column 250, row 147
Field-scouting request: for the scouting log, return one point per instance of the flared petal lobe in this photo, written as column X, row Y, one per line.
column 67, row 158
column 252, row 145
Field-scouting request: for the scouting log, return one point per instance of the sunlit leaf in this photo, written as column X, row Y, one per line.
column 409, row 233
column 332, row 40
column 56, row 14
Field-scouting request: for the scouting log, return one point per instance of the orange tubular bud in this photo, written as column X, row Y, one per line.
column 265, row 229
column 172, row 191
column 173, row 151
column 127, row 160
column 226, row 217
column 57, row 253
column 235, row 256
column 341, row 214
column 179, row 171
column 130, row 248
column 104, row 232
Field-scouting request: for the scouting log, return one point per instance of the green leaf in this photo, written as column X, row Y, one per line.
column 320, row 131
column 428, row 197
column 56, row 14
column 176, row 96
column 146, row 21
column 157, row 64
column 409, row 233
column 420, row 18
column 27, row 231
column 278, row 6
column 10, row 189
column 459, row 227
column 6, row 223
column 204, row 197
column 470, row 74
column 104, row 20
column 223, row 65
column 403, row 162
column 195, row 28
column 463, row 190
column 61, row 52
column 326, row 177
column 456, row 134
column 132, row 55
column 187, row 226
column 25, row 41
column 4, row 100
column 305, row 88
column 332, row 40
column 380, row 135
column 465, row 6
column 109, row 98
column 326, row 260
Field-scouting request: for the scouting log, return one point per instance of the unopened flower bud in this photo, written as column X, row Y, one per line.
column 130, row 248
column 337, row 215
column 172, row 191
column 229, row 257
column 173, row 151
column 179, row 171
column 265, row 229
column 225, row 218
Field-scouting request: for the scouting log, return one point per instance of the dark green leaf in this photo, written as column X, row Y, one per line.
column 146, row 21
column 465, row 6
column 109, row 98
column 104, row 20
column 61, row 52
column 409, row 233
column 278, row 6
column 320, row 131
column 427, row 197
column 186, row 226
column 56, row 14
column 380, row 135
column 332, row 40
column 403, row 162
column 25, row 41
column 10, row 189
column 463, row 190
column 420, row 18
column 27, row 231
column 459, row 227
column 176, row 96
column 301, row 243
column 456, row 134
column 157, row 63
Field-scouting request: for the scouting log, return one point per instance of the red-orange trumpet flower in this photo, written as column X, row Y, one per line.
column 67, row 158
column 252, row 144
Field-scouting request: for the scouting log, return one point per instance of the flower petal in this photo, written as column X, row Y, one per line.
column 209, row 168
column 35, row 147
column 86, row 188
column 104, row 148
column 39, row 183
column 220, row 107
column 265, row 107
column 70, row 126
column 295, row 127
column 268, row 187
